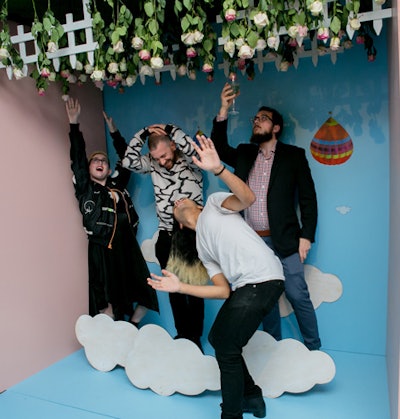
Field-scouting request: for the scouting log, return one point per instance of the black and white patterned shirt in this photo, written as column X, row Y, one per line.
column 183, row 180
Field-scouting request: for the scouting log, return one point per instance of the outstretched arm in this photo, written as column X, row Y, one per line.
column 169, row 282
column 209, row 160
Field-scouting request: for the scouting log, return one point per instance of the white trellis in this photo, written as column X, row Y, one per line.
column 23, row 38
column 376, row 15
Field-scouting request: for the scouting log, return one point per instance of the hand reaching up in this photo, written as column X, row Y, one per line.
column 73, row 110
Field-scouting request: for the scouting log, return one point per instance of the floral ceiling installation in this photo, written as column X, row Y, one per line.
column 151, row 37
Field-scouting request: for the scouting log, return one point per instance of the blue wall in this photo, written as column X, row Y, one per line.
column 352, row 246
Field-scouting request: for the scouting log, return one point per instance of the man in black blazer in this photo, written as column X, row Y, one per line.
column 280, row 177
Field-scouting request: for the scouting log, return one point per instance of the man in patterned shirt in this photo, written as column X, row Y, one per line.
column 280, row 177
column 174, row 176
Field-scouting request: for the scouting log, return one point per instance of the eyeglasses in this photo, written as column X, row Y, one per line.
column 97, row 160
column 261, row 118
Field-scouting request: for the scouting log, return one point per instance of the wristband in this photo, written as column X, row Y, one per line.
column 223, row 168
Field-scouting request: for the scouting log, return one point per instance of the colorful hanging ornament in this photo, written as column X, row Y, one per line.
column 331, row 144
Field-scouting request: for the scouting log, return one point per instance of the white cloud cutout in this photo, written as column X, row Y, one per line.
column 167, row 366
column 149, row 248
column 343, row 209
column 286, row 365
column 321, row 286
column 152, row 359
column 106, row 342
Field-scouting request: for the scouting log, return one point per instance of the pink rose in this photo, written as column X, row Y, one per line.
column 230, row 15
column 207, row 68
column 191, row 52
column 144, row 54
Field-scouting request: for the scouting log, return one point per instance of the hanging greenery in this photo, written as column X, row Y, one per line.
column 147, row 37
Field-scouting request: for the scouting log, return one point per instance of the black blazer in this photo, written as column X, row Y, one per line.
column 291, row 187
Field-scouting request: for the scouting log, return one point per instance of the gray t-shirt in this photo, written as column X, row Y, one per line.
column 227, row 244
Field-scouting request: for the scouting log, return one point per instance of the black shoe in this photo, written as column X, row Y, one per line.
column 256, row 406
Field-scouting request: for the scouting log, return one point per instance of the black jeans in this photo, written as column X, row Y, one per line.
column 236, row 322
column 188, row 311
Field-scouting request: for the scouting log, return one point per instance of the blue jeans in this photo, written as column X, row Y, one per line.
column 296, row 291
column 236, row 322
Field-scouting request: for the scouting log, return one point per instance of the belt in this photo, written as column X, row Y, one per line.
column 263, row 233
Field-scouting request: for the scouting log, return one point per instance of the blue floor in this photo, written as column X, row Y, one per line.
column 72, row 389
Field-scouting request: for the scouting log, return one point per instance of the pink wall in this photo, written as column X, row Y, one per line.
column 43, row 265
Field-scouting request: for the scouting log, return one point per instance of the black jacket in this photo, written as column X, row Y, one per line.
column 96, row 201
column 290, row 186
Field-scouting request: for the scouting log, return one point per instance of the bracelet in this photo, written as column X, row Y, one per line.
column 217, row 174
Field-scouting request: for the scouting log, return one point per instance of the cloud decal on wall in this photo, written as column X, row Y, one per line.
column 322, row 287
column 148, row 248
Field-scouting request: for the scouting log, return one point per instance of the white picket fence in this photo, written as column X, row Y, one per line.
column 22, row 40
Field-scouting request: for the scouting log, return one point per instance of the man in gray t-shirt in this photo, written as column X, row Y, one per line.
column 250, row 284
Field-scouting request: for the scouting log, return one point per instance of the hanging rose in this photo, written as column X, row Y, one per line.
column 192, row 75
column 130, row 80
column 18, row 74
column 182, row 70
column 137, row 43
column 144, row 54
column 88, row 69
column 198, row 36
column 45, row 72
column 323, row 34
column 4, row 53
column 335, row 43
column 246, row 52
column 112, row 67
column 229, row 48
column 230, row 15
column 273, row 42
column 207, row 68
column 52, row 47
column 261, row 45
column 355, row 23
column 191, row 52
column 98, row 75
column 118, row 47
column 315, row 7
column 188, row 38
column 156, row 62
column 261, row 20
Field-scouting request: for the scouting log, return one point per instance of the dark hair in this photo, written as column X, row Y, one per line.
column 277, row 118
column 155, row 139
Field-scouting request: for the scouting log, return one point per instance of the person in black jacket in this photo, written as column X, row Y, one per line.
column 280, row 177
column 117, row 270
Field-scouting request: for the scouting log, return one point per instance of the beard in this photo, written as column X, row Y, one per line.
column 261, row 138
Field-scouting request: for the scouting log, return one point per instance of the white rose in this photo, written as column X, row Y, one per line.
column 273, row 42
column 188, row 38
column 261, row 20
column 52, row 76
column 18, row 74
column 97, row 75
column 354, row 24
column 52, row 47
column 156, row 62
column 261, row 44
column 146, row 70
column 112, row 67
column 239, row 42
column 229, row 48
column 72, row 78
column 130, row 80
column 245, row 52
column 137, row 42
column 88, row 69
column 292, row 31
column 118, row 47
column 198, row 36
column 79, row 66
column 315, row 8
column 122, row 66
column 335, row 43
column 4, row 53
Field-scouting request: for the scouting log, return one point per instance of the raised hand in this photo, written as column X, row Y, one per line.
column 73, row 110
column 110, row 123
column 169, row 282
column 208, row 156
